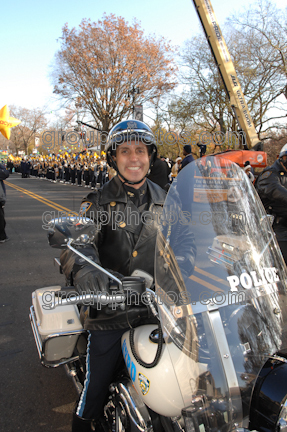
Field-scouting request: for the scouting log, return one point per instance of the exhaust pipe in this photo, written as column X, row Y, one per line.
column 136, row 410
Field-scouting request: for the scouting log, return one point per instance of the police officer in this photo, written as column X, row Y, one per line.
column 123, row 243
column 271, row 186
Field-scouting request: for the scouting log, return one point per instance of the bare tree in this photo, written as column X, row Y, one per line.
column 203, row 103
column 274, row 144
column 267, row 23
column 33, row 121
column 261, row 81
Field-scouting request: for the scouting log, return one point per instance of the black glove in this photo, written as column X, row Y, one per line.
column 72, row 263
column 88, row 278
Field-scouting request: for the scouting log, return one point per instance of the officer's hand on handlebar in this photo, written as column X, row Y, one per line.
column 90, row 279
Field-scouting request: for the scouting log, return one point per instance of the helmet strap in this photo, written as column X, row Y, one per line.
column 284, row 164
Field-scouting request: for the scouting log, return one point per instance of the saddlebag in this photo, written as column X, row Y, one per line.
column 56, row 329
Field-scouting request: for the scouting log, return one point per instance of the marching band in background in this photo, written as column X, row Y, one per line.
column 78, row 170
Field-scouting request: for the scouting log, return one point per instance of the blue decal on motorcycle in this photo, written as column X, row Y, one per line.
column 128, row 361
column 133, row 372
column 130, row 364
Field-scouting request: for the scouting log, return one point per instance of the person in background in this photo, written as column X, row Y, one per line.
column 95, row 174
column 10, row 165
column 101, row 175
column 271, row 186
column 187, row 156
column 73, row 172
column 248, row 170
column 86, row 175
column 79, row 168
column 23, row 168
column 93, row 166
column 159, row 173
column 4, row 173
column 176, row 167
column 202, row 149
column 67, row 170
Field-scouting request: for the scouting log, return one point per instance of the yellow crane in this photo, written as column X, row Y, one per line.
column 227, row 71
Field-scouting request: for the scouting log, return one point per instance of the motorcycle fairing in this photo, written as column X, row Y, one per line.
column 225, row 311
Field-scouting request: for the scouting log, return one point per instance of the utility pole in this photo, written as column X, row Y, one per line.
column 138, row 108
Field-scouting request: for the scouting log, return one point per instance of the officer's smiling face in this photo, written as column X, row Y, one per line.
column 132, row 159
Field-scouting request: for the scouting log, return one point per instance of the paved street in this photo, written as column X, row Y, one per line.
column 32, row 398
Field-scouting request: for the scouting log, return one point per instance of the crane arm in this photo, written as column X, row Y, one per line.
column 227, row 71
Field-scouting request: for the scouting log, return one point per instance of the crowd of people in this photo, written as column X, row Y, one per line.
column 87, row 170
column 80, row 170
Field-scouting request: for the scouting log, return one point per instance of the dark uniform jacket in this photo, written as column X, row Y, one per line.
column 271, row 186
column 3, row 175
column 125, row 237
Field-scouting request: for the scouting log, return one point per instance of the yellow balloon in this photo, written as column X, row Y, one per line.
column 7, row 122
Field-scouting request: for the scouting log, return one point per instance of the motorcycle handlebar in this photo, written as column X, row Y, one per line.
column 91, row 299
column 100, row 299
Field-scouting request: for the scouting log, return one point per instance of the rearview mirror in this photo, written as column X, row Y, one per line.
column 61, row 230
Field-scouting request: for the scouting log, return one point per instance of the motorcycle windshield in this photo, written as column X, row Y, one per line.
column 221, row 291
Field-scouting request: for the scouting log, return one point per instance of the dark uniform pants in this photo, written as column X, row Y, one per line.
column 2, row 224
column 79, row 177
column 103, row 355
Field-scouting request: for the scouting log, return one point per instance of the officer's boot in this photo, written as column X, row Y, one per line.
column 81, row 425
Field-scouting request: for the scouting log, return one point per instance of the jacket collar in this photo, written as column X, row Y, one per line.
column 114, row 191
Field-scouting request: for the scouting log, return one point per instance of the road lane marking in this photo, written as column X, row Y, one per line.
column 42, row 199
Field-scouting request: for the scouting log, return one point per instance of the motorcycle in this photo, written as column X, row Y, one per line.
column 217, row 359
